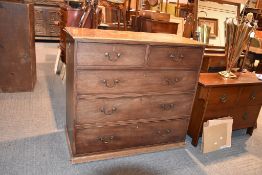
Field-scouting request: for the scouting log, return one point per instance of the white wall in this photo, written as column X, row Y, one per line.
column 220, row 12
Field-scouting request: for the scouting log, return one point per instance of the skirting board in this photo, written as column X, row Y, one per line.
column 121, row 153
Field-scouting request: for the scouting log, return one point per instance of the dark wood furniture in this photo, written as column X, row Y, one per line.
column 255, row 54
column 240, row 98
column 143, row 24
column 17, row 47
column 46, row 19
column 128, row 92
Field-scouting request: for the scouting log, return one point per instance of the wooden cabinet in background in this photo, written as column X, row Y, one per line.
column 47, row 18
column 128, row 92
column 217, row 97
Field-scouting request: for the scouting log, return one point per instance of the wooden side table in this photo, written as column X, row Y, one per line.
column 216, row 97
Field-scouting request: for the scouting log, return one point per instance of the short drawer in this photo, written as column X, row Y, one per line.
column 98, row 54
column 137, row 81
column 93, row 109
column 251, row 95
column 102, row 139
column 178, row 57
column 244, row 117
column 226, row 96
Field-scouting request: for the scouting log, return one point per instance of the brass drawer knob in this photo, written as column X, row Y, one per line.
column 110, row 84
column 113, row 59
column 172, row 82
column 176, row 58
column 108, row 112
column 252, row 96
column 223, row 98
column 167, row 107
column 106, row 139
column 164, row 132
column 245, row 116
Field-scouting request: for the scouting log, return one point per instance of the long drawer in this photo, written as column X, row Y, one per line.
column 110, row 138
column 99, row 54
column 137, row 81
column 93, row 109
column 243, row 116
column 179, row 57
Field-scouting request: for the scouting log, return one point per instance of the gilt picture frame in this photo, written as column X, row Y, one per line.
column 211, row 22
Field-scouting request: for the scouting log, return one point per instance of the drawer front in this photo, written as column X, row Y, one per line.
column 178, row 57
column 226, row 96
column 245, row 116
column 97, row 54
column 92, row 109
column 110, row 81
column 118, row 137
column 251, row 95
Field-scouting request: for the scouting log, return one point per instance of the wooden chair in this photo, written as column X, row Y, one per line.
column 120, row 6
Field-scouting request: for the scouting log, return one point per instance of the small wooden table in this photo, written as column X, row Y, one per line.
column 217, row 97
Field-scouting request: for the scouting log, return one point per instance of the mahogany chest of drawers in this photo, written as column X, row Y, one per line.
column 217, row 97
column 128, row 92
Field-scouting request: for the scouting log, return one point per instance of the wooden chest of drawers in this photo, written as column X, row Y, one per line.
column 127, row 92
column 217, row 97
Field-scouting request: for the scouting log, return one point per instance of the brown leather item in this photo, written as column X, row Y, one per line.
column 17, row 47
column 128, row 92
column 217, row 97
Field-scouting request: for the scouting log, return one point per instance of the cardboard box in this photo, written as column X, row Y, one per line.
column 217, row 134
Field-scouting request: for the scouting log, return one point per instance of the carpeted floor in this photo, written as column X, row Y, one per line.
column 32, row 139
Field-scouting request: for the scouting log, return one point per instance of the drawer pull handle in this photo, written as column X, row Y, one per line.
column 112, row 84
column 175, row 58
column 172, row 82
column 253, row 96
column 223, row 98
column 167, row 107
column 245, row 116
column 164, row 132
column 106, row 139
column 111, row 58
column 108, row 112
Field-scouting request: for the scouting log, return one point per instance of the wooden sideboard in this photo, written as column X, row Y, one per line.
column 47, row 18
column 128, row 92
column 216, row 97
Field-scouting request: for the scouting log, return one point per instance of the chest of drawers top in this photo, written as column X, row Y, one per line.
column 96, row 35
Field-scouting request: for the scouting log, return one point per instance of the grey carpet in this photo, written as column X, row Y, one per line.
column 32, row 139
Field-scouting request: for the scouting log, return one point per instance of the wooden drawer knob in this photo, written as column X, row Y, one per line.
column 106, row 139
column 108, row 112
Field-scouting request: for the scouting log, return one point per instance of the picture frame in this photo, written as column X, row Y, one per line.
column 211, row 22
